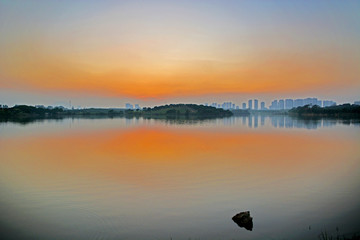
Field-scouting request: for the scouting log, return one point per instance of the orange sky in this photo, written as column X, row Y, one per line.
column 190, row 49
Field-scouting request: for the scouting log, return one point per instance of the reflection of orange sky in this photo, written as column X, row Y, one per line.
column 157, row 156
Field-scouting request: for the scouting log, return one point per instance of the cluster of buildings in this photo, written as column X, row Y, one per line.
column 132, row 107
column 293, row 103
column 253, row 104
column 225, row 105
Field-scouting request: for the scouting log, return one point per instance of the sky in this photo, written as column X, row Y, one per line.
column 107, row 53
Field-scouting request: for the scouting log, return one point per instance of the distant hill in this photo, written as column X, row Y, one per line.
column 341, row 111
column 24, row 113
column 185, row 110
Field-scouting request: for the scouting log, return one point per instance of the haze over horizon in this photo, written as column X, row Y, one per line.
column 107, row 53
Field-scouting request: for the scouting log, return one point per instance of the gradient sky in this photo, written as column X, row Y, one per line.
column 106, row 53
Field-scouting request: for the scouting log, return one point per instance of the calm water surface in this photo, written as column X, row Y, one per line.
column 156, row 179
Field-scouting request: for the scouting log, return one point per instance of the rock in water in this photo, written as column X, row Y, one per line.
column 244, row 220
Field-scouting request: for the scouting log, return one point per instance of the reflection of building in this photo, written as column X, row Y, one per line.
column 256, row 121
column 262, row 119
column 243, row 120
column 289, row 122
column 274, row 121
column 281, row 121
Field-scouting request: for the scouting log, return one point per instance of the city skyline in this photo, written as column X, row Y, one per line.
column 252, row 104
column 107, row 53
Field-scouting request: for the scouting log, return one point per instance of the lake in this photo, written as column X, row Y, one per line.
column 165, row 179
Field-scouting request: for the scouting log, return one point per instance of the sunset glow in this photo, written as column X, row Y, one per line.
column 166, row 49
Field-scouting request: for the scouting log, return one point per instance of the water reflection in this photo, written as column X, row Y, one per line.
column 105, row 178
column 285, row 121
column 250, row 121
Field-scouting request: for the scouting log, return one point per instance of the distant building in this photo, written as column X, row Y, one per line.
column 310, row 101
column 237, row 107
column 250, row 104
column 298, row 103
column 357, row 102
column 319, row 103
column 129, row 106
column 137, row 106
column 281, row 105
column 256, row 104
column 274, row 105
column 328, row 103
column 262, row 106
column 289, row 103
column 227, row 105
column 243, row 105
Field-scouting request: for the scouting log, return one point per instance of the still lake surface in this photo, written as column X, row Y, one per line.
column 164, row 179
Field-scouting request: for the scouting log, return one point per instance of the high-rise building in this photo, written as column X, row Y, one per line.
column 274, row 105
column 129, row 106
column 310, row 101
column 137, row 106
column 281, row 104
column 298, row 103
column 328, row 103
column 256, row 106
column 250, row 104
column 228, row 105
column 243, row 105
column 289, row 103
column 262, row 105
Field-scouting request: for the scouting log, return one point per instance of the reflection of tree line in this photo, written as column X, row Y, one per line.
column 285, row 121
